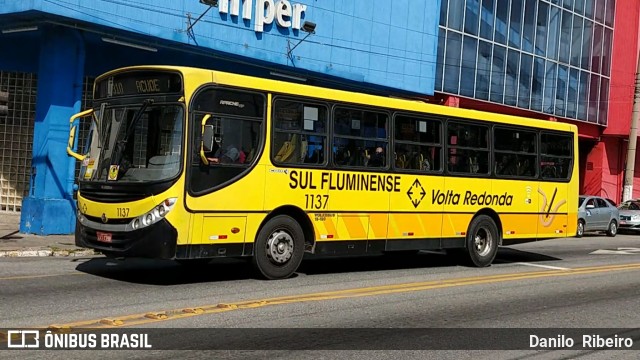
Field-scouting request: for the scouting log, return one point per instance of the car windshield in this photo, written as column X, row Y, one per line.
column 630, row 205
column 135, row 144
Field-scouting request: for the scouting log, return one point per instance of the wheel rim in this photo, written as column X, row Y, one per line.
column 482, row 241
column 580, row 228
column 279, row 247
column 613, row 228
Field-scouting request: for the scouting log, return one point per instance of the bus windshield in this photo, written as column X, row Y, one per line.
column 135, row 143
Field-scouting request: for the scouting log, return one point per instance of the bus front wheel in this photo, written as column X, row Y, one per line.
column 482, row 241
column 279, row 248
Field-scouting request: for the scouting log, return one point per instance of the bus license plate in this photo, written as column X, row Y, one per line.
column 103, row 236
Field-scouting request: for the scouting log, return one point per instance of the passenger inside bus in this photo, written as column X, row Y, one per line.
column 377, row 158
column 507, row 166
column 226, row 154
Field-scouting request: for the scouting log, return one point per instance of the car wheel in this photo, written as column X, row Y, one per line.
column 613, row 228
column 279, row 248
column 580, row 230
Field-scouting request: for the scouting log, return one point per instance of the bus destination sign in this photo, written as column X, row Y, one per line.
column 138, row 83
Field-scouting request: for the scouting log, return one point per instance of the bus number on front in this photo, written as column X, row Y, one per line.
column 123, row 212
column 316, row 201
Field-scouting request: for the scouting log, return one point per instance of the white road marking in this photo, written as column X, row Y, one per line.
column 619, row 251
column 543, row 266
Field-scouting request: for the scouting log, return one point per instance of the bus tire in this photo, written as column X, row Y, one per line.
column 482, row 241
column 279, row 248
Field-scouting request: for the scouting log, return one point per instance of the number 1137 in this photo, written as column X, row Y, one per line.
column 316, row 201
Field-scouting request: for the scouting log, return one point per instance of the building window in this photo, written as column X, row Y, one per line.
column 487, row 19
column 497, row 74
column 452, row 62
column 491, row 53
column 467, row 78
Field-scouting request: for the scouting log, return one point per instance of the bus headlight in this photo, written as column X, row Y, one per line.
column 153, row 216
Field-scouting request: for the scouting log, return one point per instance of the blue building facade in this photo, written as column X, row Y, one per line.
column 375, row 46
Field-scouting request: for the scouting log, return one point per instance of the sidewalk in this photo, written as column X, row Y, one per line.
column 15, row 244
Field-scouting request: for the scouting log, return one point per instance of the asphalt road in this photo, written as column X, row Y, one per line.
column 591, row 282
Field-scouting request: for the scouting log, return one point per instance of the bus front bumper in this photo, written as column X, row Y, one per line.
column 157, row 241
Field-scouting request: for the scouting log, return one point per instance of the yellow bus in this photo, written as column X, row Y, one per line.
column 192, row 164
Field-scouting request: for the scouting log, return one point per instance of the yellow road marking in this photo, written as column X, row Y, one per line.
column 157, row 316
column 22, row 277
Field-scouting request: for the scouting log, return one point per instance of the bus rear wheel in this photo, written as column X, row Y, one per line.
column 482, row 242
column 279, row 248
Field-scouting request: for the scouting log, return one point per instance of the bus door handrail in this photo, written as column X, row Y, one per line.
column 202, row 155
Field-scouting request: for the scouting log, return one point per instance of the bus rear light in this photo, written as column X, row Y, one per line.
column 328, row 236
column 510, row 232
column 235, row 230
column 559, row 231
column 408, row 234
column 218, row 237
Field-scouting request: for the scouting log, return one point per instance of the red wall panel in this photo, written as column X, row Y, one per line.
column 623, row 67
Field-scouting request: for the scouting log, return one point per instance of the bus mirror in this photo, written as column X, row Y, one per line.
column 73, row 130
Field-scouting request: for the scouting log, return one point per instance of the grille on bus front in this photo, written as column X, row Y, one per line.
column 111, row 196
column 109, row 221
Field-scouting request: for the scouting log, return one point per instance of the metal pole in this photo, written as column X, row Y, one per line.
column 627, row 192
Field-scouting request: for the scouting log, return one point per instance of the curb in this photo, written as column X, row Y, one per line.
column 47, row 252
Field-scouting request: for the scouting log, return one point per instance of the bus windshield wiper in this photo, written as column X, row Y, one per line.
column 121, row 144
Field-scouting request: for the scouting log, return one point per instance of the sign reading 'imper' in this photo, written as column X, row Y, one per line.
column 285, row 14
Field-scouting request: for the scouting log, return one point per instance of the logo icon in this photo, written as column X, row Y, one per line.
column 23, row 339
column 113, row 172
column 416, row 193
column 548, row 213
column 104, row 218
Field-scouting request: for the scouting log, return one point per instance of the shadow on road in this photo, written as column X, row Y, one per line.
column 508, row 255
column 166, row 272
column 390, row 261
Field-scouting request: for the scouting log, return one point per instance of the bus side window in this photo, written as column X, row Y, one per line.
column 556, row 153
column 299, row 132
column 417, row 143
column 358, row 133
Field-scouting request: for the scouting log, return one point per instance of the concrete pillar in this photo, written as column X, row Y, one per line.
column 50, row 207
